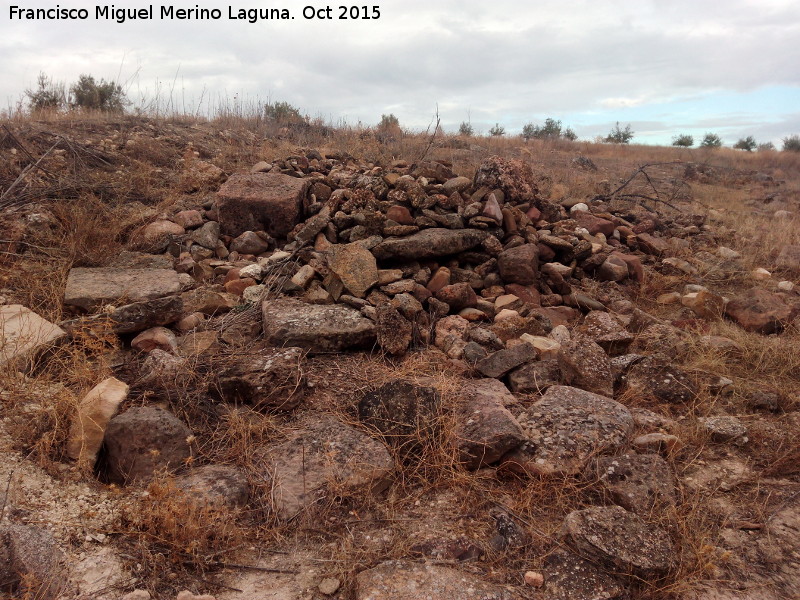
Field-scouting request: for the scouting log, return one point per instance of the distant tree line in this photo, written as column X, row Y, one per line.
column 86, row 94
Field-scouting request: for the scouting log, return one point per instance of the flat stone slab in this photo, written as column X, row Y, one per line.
column 323, row 452
column 23, row 332
column 618, row 539
column 566, row 428
column 90, row 288
column 321, row 328
column 430, row 243
column 402, row 580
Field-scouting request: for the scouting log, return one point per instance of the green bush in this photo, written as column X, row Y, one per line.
column 711, row 140
column 619, row 135
column 106, row 96
column 283, row 113
column 569, row 134
column 684, row 140
column 551, row 130
column 791, row 143
column 747, row 144
column 497, row 130
column 466, row 129
column 48, row 95
column 766, row 147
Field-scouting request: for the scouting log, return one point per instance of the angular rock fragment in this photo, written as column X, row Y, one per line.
column 760, row 311
column 270, row 379
column 640, row 483
column 566, row 428
column 429, row 243
column 23, row 333
column 89, row 288
column 584, row 364
column 95, row 410
column 619, row 539
column 323, row 452
column 656, row 377
column 319, row 328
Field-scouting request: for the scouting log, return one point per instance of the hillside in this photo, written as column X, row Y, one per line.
column 242, row 362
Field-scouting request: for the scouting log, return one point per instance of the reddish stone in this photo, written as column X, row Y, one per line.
column 440, row 279
column 527, row 293
column 400, row 214
column 238, row 286
column 270, row 202
column 593, row 224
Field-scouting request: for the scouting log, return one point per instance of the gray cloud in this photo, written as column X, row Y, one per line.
column 501, row 61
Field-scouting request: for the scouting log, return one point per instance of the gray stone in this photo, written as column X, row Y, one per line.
column 535, row 377
column 619, row 540
column 214, row 486
column 566, row 428
column 430, row 243
column 323, row 452
column 656, row 377
column 320, row 328
column 23, row 333
column 206, row 236
column 570, row 577
column 142, row 441
column 89, row 288
column 585, row 364
column 485, row 430
column 640, row 483
column 394, row 330
column 501, row 362
column 269, row 379
column 30, row 562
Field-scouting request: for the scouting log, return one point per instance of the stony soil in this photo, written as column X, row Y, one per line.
column 237, row 366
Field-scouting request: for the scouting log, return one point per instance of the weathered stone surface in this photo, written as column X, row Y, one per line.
column 759, row 311
column 394, row 330
column 486, row 430
column 322, row 452
column 156, row 236
column 143, row 440
column 655, row 376
column 535, row 377
column 585, row 364
column 270, row 202
column 215, row 485
column 31, row 563
column 23, row 333
column 612, row 269
column 789, row 257
column 458, row 296
column 726, row 429
column 88, row 427
column 289, row 322
column 639, row 483
column 403, row 411
column 451, row 334
column 89, row 288
column 704, row 304
column 402, row 580
column 208, row 301
column 356, row 267
column 566, row 428
column 430, row 243
column 607, row 331
column 501, row 362
column 249, row 242
column 206, row 236
column 570, row 577
column 270, row 379
column 652, row 245
column 514, row 177
column 619, row 539
column 155, row 337
column 519, row 265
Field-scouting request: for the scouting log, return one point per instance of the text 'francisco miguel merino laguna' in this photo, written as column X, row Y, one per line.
column 121, row 15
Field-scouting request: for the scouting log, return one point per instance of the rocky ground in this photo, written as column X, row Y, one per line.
column 234, row 366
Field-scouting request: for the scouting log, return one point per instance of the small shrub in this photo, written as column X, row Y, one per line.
column 48, row 95
column 747, row 144
column 388, row 122
column 283, row 114
column 766, row 147
column 711, row 140
column 466, row 129
column 791, row 143
column 550, row 130
column 569, row 134
column 683, row 140
column 106, row 96
column 497, row 130
column 619, row 135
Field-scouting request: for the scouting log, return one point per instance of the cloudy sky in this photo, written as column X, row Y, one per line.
column 666, row 66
